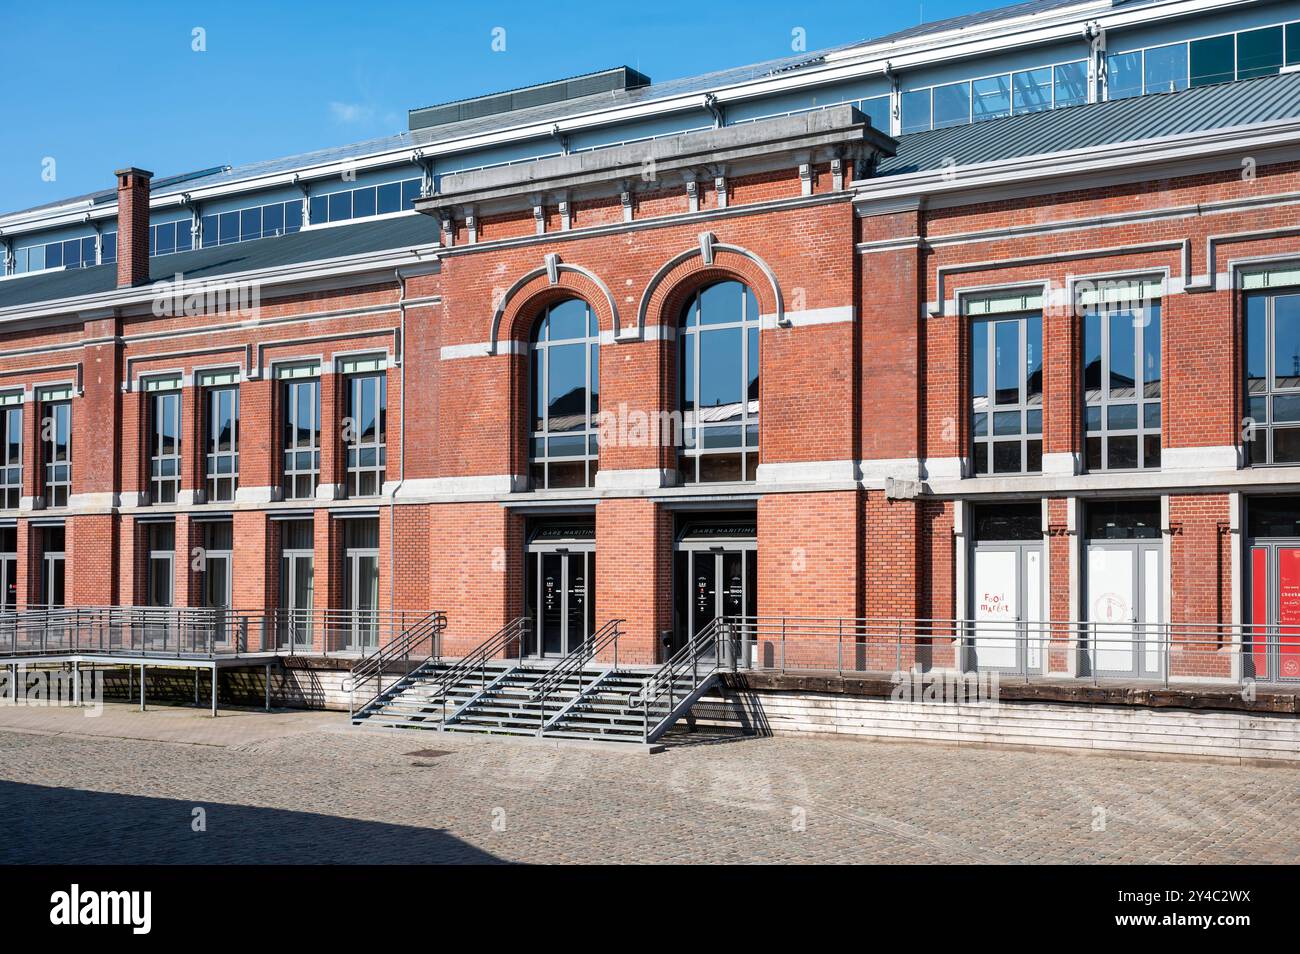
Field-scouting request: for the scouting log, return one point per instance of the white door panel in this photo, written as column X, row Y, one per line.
column 996, row 602
column 1111, row 607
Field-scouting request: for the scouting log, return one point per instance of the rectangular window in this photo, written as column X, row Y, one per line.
column 1007, row 394
column 11, row 456
column 301, row 438
column 56, row 425
column 223, row 443
column 161, row 543
column 1292, row 44
column 1124, row 75
column 165, row 447
column 1213, row 60
column 1272, row 348
column 952, row 105
column 1259, row 52
column 916, row 110
column 877, row 110
column 1165, row 70
column 1121, row 386
column 1071, row 84
column 1031, row 91
column 365, row 434
column 991, row 97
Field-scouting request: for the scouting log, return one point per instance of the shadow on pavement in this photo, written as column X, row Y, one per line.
column 72, row 826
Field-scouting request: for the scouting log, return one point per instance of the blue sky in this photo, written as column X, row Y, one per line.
column 97, row 86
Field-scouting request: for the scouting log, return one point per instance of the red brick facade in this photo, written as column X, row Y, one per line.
column 865, row 395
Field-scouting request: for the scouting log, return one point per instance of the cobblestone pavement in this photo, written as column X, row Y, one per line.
column 302, row 787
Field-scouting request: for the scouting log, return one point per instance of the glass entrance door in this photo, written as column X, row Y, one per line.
column 561, row 584
column 1123, row 609
column 297, row 572
column 361, row 582
column 1272, row 647
column 717, row 582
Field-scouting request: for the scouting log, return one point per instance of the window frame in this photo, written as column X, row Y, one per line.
column 356, row 471
column 11, row 489
column 1267, row 427
column 693, row 447
column 215, row 481
column 164, row 488
column 294, row 477
column 539, row 401
column 57, row 491
column 1025, row 437
column 1103, row 432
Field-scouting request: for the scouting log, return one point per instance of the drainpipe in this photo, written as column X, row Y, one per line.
column 401, row 430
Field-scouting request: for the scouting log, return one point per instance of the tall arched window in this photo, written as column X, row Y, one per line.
column 565, row 357
column 718, row 384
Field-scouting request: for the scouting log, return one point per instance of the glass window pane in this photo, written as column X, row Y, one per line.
column 567, row 321
column 1124, row 75
column 1006, row 362
column 1151, row 352
column 273, row 220
column 1213, row 60
column 1092, row 356
column 916, row 110
column 1286, row 408
column 1166, row 68
column 1072, row 84
column 991, row 97
column 1006, row 422
column 209, row 230
column 722, row 303
column 340, row 206
column 389, row 198
column 877, row 110
column 1286, row 445
column 1006, row 457
column 1121, row 453
column 228, row 228
column 1259, row 52
column 1286, row 341
column 292, row 216
column 1122, row 417
column 980, row 360
column 363, row 202
column 1034, row 360
column 250, row 225
column 1256, row 344
column 318, row 210
column 1031, row 90
column 567, row 387
column 951, row 105
column 1292, row 44
column 720, row 371
column 108, row 247
column 410, row 192
column 1122, row 354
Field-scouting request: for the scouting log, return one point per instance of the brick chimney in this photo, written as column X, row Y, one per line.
column 132, row 227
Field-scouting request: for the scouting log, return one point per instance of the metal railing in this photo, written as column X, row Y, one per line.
column 134, row 630
column 699, row 658
column 331, row 632
column 198, row 631
column 422, row 642
column 1046, row 649
column 602, row 640
column 496, row 648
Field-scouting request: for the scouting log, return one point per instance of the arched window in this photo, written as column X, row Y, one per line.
column 565, row 396
column 718, row 384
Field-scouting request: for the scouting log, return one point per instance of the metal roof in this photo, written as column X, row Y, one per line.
column 1243, row 103
column 550, row 112
column 312, row 245
column 981, row 18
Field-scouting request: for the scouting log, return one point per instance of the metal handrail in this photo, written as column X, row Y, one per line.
column 582, row 654
column 377, row 663
column 703, row 646
column 576, row 661
column 495, row 646
column 1224, row 651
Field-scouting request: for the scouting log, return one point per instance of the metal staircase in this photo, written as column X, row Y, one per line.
column 586, row 696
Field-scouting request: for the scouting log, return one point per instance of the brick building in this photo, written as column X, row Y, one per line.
column 1024, row 290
